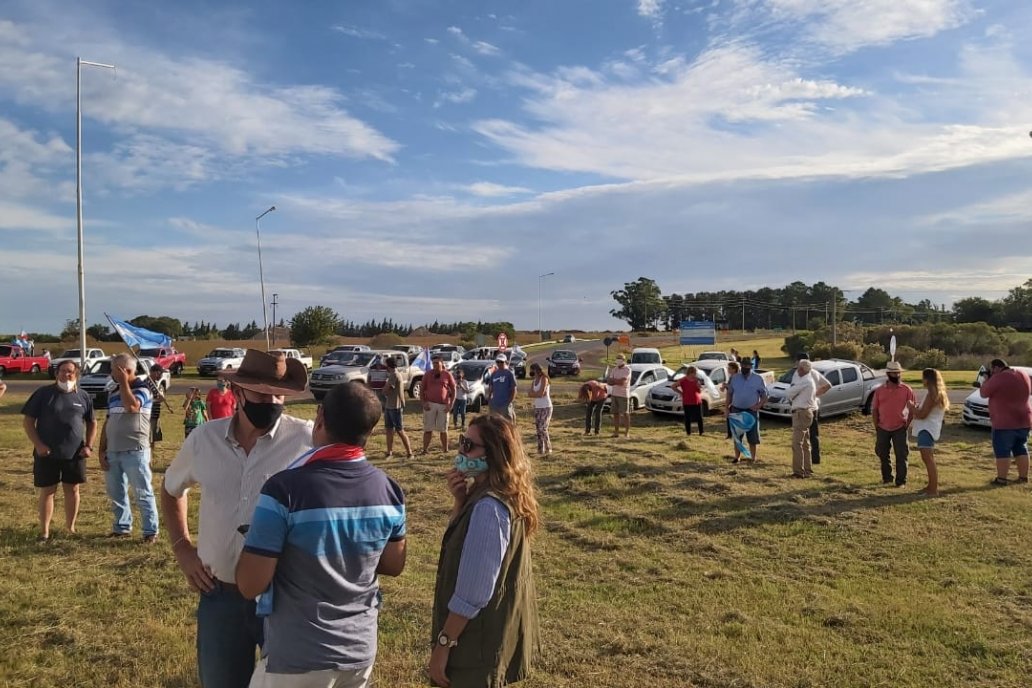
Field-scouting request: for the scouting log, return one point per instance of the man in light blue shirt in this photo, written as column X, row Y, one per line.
column 501, row 389
column 746, row 393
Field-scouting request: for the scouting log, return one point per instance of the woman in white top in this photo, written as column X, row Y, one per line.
column 542, row 399
column 927, row 423
column 462, row 392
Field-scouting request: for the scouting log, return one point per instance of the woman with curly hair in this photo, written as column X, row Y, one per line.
column 928, row 417
column 485, row 630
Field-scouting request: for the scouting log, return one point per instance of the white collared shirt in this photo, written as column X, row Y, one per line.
column 230, row 481
column 803, row 392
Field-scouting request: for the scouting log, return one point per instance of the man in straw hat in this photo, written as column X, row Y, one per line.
column 230, row 459
column 892, row 409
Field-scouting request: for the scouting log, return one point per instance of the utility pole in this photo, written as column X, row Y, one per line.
column 274, row 304
column 743, row 316
column 834, row 322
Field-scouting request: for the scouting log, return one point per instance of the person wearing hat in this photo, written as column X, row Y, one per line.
column 501, row 389
column 230, row 459
column 619, row 381
column 746, row 393
column 892, row 410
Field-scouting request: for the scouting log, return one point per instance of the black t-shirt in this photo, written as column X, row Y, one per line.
column 61, row 419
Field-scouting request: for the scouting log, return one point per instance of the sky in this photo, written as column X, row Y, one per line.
column 431, row 159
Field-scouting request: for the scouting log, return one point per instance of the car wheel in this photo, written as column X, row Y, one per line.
column 177, row 370
column 2, row 371
column 478, row 404
column 634, row 403
column 705, row 408
column 416, row 388
column 319, row 396
column 35, row 369
column 867, row 406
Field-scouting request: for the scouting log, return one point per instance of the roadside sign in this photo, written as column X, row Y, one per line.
column 503, row 341
column 892, row 347
column 696, row 332
column 624, row 339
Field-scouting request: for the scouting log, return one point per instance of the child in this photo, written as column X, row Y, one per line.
column 462, row 392
column 927, row 424
column 195, row 411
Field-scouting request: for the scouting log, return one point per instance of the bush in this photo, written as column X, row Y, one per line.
column 847, row 350
column 933, row 358
column 386, row 340
column 874, row 355
column 906, row 355
column 1020, row 352
column 797, row 343
column 966, row 362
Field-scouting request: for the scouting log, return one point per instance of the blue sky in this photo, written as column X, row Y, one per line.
column 429, row 159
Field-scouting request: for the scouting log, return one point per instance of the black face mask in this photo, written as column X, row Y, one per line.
column 263, row 415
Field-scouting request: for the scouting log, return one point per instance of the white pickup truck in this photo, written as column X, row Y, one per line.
column 295, row 354
column 73, row 355
column 220, row 360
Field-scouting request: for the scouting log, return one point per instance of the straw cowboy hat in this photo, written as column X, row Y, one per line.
column 269, row 374
column 893, row 367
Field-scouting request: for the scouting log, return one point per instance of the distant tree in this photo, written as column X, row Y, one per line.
column 313, row 325
column 100, row 332
column 641, row 304
column 1017, row 307
column 70, row 331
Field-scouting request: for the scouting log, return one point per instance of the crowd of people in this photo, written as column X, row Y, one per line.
column 295, row 525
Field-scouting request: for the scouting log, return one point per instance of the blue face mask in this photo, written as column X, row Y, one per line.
column 470, row 467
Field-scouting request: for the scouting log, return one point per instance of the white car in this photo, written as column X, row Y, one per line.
column 644, row 376
column 477, row 374
column 97, row 382
column 219, row 360
column 976, row 407
column 354, row 369
column 663, row 399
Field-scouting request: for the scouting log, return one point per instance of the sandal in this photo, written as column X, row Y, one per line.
column 999, row 481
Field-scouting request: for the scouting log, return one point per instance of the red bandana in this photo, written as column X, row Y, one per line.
column 330, row 452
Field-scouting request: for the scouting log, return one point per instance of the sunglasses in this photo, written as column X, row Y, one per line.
column 467, row 445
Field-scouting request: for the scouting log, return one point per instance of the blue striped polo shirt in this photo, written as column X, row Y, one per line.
column 129, row 431
column 327, row 523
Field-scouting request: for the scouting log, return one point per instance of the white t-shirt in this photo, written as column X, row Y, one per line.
column 620, row 373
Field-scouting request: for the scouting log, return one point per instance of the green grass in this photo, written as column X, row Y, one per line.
column 658, row 561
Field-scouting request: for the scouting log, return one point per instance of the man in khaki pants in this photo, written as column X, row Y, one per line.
column 803, row 395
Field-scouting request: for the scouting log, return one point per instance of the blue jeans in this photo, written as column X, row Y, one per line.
column 131, row 468
column 458, row 413
column 228, row 633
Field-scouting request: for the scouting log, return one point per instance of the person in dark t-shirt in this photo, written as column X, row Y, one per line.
column 60, row 424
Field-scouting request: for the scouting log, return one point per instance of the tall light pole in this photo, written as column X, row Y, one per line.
column 274, row 304
column 79, row 62
column 541, row 277
column 261, row 274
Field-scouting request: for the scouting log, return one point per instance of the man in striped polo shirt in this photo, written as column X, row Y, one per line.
column 125, row 449
column 322, row 531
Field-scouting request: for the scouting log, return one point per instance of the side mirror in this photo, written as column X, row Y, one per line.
column 662, row 361
column 976, row 383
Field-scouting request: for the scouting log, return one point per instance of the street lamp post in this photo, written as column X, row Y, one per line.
column 79, row 62
column 261, row 274
column 541, row 277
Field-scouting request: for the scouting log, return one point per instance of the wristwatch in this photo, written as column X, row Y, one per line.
column 444, row 641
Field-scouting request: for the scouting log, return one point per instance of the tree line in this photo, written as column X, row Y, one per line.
column 798, row 306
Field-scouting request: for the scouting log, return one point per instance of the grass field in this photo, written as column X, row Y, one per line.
column 659, row 561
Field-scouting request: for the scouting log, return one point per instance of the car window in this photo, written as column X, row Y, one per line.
column 718, row 376
column 867, row 373
column 833, row 377
column 634, row 377
column 786, row 377
column 646, row 378
column 849, row 375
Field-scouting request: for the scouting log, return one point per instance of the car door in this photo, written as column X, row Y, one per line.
column 719, row 377
column 852, row 389
column 832, row 401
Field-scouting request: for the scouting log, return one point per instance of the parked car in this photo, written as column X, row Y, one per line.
column 662, row 399
column 852, row 388
column 220, row 360
column 646, row 355
column 14, row 359
column 411, row 376
column 477, row 373
column 448, row 347
column 714, row 356
column 449, row 357
column 295, row 354
column 976, row 407
column 411, row 350
column 171, row 360
column 98, row 384
column 643, row 377
column 569, row 339
column 73, row 355
column 354, row 369
column 518, row 363
column 343, row 348
column 563, row 362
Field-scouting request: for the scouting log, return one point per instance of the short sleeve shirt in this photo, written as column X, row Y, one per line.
column 691, row 395
column 891, row 402
column 129, row 431
column 61, row 419
column 327, row 524
column 393, row 391
column 746, row 391
column 1008, row 392
column 220, row 404
column 438, row 387
column 503, row 384
column 620, row 373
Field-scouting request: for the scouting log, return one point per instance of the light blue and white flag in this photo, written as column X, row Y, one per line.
column 741, row 423
column 422, row 361
column 138, row 336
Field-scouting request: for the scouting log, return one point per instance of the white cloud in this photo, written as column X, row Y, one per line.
column 651, row 9
column 846, row 25
column 359, row 32
column 485, row 48
column 462, row 95
column 20, row 218
column 492, row 190
column 458, row 33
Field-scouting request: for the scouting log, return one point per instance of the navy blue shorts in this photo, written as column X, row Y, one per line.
column 1010, row 443
column 925, row 440
column 392, row 419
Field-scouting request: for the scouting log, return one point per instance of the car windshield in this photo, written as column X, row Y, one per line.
column 360, row 359
column 222, row 353
column 70, row 353
column 787, row 376
column 472, row 370
column 6, row 350
column 101, row 368
column 150, row 353
column 712, row 356
column 564, row 356
column 643, row 357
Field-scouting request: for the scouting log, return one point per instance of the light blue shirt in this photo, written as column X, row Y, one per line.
column 746, row 391
column 482, row 552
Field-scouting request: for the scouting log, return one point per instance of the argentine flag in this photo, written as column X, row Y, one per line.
column 422, row 361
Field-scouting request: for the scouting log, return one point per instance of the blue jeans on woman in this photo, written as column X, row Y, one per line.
column 458, row 413
column 125, row 469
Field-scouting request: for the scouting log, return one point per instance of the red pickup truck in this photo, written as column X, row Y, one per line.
column 13, row 359
column 171, row 360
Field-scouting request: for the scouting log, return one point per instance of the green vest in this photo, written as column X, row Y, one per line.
column 498, row 646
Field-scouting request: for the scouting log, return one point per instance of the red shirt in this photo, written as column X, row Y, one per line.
column 1008, row 392
column 220, row 404
column 691, row 395
column 438, row 388
column 890, row 400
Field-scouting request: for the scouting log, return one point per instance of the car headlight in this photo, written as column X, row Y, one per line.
column 340, row 376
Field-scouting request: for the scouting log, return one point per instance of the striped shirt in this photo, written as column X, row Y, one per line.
column 230, row 480
column 127, row 431
column 327, row 523
column 482, row 553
